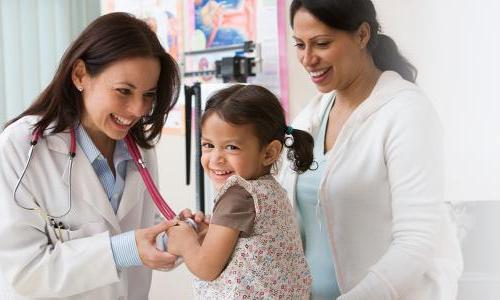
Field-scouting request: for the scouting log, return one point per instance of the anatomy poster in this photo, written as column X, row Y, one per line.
column 219, row 23
column 165, row 17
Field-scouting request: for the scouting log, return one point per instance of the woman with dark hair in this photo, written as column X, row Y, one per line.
column 69, row 218
column 373, row 218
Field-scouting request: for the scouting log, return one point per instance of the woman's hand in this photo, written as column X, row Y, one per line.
column 150, row 256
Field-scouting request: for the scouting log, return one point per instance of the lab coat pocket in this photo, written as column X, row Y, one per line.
column 85, row 230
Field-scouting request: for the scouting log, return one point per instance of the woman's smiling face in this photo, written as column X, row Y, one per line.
column 331, row 57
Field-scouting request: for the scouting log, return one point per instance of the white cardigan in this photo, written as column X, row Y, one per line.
column 382, row 197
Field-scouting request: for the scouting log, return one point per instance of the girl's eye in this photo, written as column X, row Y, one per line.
column 207, row 146
column 231, row 147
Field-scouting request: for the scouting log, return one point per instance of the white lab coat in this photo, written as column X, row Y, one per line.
column 32, row 265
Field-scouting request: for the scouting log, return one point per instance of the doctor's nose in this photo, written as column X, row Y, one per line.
column 138, row 106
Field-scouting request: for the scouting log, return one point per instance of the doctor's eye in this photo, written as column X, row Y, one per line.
column 124, row 91
column 150, row 95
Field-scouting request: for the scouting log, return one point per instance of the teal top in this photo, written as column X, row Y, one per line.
column 313, row 228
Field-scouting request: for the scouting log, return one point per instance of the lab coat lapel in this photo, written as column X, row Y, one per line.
column 133, row 192
column 85, row 186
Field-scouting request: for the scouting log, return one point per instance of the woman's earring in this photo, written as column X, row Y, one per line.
column 80, row 88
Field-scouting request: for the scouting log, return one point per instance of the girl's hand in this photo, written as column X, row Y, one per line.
column 199, row 217
column 181, row 238
column 201, row 220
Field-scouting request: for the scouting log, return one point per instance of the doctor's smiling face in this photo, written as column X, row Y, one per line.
column 116, row 98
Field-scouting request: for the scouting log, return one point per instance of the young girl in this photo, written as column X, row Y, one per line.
column 252, row 248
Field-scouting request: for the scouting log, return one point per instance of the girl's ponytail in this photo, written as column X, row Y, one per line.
column 299, row 146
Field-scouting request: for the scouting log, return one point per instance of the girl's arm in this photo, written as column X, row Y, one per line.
column 207, row 260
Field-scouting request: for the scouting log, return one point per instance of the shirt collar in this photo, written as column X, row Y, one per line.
column 92, row 153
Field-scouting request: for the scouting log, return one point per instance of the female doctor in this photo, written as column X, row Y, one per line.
column 69, row 221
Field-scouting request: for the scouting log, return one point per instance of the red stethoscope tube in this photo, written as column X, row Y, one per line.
column 162, row 205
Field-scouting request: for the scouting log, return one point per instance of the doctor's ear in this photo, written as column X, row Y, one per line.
column 272, row 152
column 78, row 74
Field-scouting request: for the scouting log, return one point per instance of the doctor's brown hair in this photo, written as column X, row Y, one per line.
column 254, row 105
column 106, row 40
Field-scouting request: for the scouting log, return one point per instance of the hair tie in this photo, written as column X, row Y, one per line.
column 289, row 140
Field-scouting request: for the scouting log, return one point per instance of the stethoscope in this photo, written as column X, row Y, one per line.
column 54, row 220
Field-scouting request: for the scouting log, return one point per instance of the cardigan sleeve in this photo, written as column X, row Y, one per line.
column 414, row 159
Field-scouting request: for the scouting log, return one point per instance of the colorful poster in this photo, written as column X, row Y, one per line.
column 225, row 22
column 165, row 17
column 219, row 23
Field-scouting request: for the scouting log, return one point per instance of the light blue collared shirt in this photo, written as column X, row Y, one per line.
column 123, row 245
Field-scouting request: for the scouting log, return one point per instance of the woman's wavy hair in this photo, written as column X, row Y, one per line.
column 348, row 15
column 109, row 38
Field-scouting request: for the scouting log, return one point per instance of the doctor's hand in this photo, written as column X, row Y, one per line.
column 150, row 256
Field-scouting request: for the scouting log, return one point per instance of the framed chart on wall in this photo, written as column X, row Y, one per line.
column 191, row 25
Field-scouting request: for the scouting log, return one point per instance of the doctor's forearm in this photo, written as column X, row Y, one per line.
column 125, row 251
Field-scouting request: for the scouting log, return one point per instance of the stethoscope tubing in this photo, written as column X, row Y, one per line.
column 162, row 205
column 72, row 151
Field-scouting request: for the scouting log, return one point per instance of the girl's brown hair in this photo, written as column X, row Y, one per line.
column 252, row 104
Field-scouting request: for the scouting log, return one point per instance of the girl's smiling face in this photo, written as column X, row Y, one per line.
column 229, row 149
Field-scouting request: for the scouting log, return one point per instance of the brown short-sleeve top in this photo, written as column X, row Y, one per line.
column 235, row 209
